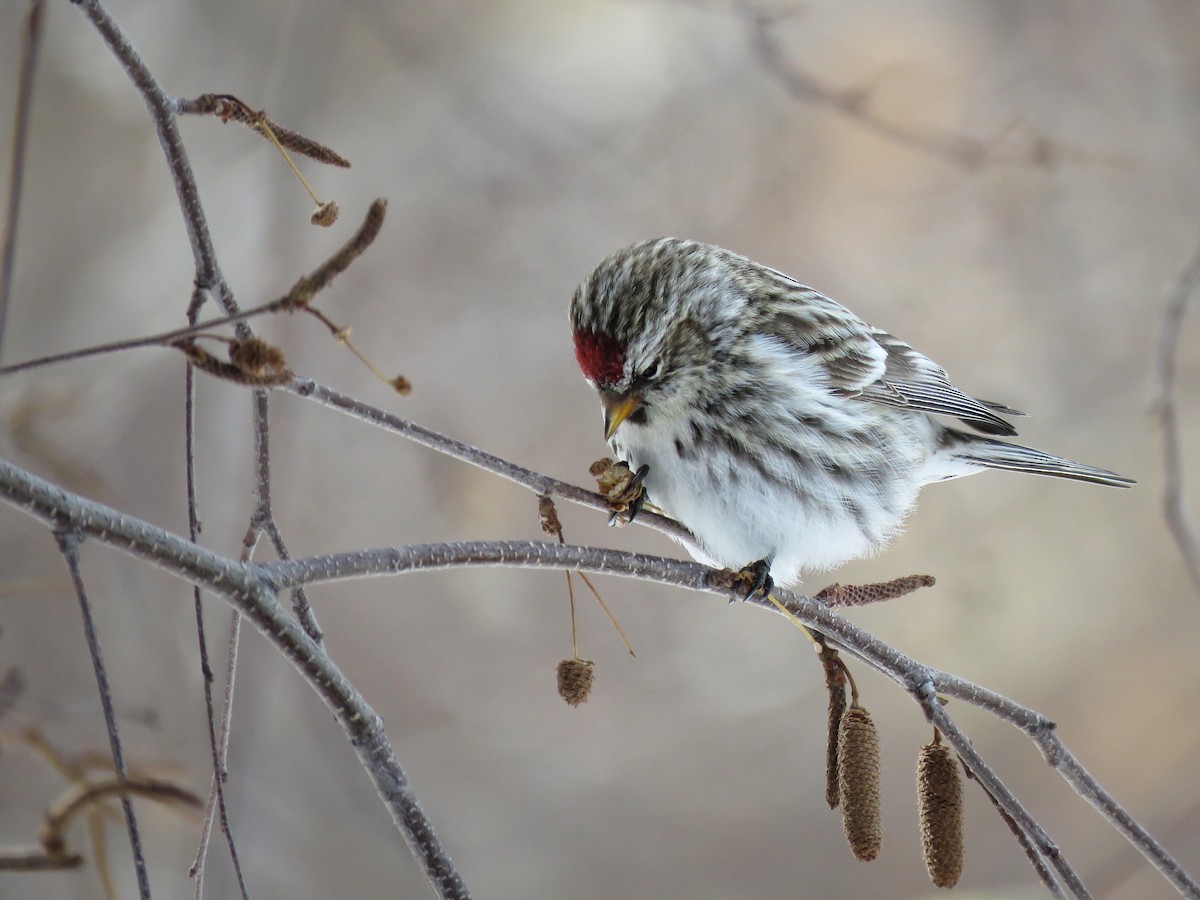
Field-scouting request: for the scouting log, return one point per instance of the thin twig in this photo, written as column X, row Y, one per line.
column 36, row 859
column 31, row 41
column 1036, row 860
column 68, row 545
column 82, row 795
column 1183, row 530
column 852, row 102
column 534, row 481
column 215, row 806
column 263, row 519
column 162, row 339
column 296, row 299
column 162, row 113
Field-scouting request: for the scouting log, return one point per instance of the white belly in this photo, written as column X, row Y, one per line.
column 786, row 508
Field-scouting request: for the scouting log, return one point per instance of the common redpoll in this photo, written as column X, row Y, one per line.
column 779, row 428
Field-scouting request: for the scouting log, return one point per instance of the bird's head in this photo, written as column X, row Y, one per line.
column 648, row 322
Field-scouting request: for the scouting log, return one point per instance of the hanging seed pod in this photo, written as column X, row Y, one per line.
column 837, row 709
column 858, row 782
column 325, row 214
column 835, row 683
column 939, row 790
column 575, row 680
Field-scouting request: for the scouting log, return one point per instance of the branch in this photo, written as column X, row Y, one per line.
column 162, row 109
column 1174, row 500
column 253, row 590
column 68, row 545
column 854, row 104
column 540, row 484
column 83, row 794
column 297, row 299
column 255, row 597
column 30, row 44
column 899, row 668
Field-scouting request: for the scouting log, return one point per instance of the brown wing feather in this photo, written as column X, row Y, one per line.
column 869, row 364
column 914, row 381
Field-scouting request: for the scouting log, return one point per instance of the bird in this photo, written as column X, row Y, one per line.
column 782, row 431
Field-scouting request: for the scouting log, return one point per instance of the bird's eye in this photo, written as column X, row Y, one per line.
column 649, row 372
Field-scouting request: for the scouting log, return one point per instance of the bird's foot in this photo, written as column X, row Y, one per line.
column 752, row 581
column 621, row 487
column 862, row 594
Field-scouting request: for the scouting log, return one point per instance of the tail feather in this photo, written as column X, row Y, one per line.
column 995, row 454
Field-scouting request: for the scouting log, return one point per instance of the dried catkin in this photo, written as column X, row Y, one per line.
column 939, row 789
column 858, row 782
column 837, row 709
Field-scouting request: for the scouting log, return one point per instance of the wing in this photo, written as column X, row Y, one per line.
column 866, row 363
column 913, row 380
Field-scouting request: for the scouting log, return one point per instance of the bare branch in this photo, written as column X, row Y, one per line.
column 255, row 598
column 298, row 298
column 163, row 339
column 68, row 545
column 854, row 103
column 1183, row 530
column 1036, row 860
column 82, row 795
column 162, row 113
column 253, row 590
column 535, row 481
column 31, row 41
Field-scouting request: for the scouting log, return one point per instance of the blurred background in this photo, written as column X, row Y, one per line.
column 1011, row 187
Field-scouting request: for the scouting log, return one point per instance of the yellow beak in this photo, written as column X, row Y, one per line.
column 617, row 408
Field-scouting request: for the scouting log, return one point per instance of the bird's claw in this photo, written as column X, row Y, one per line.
column 752, row 581
column 757, row 575
column 639, row 492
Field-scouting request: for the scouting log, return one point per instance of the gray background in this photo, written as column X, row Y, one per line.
column 518, row 142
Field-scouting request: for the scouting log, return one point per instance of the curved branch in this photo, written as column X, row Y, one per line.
column 253, row 590
column 255, row 598
column 162, row 112
column 1174, row 500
